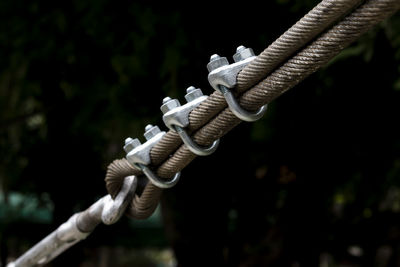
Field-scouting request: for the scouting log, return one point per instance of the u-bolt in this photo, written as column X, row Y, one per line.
column 138, row 155
column 176, row 117
column 222, row 77
column 238, row 110
column 193, row 146
column 156, row 180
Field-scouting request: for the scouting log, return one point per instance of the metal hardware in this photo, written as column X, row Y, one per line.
column 131, row 144
column 65, row 236
column 223, row 73
column 138, row 155
column 115, row 208
column 238, row 110
column 243, row 53
column 104, row 210
column 157, row 181
column 222, row 77
column 193, row 146
column 176, row 118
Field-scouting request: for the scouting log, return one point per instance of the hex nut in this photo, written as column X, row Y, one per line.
column 216, row 62
column 170, row 104
column 151, row 131
column 242, row 53
column 190, row 89
column 193, row 94
column 130, row 144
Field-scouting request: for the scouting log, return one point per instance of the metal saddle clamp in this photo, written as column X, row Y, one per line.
column 138, row 155
column 176, row 118
column 222, row 77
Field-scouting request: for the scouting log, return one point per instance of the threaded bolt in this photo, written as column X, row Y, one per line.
column 130, row 144
column 240, row 48
column 193, row 93
column 242, row 53
column 166, row 99
column 128, row 140
column 215, row 62
column 151, row 131
column 214, row 57
column 190, row 89
column 169, row 104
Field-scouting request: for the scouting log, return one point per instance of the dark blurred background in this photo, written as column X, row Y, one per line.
column 316, row 182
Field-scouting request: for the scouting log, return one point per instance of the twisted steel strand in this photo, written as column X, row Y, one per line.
column 285, row 77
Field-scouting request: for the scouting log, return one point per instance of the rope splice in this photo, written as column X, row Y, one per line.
column 106, row 210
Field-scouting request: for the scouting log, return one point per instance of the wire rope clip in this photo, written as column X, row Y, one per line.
column 222, row 77
column 176, row 118
column 138, row 155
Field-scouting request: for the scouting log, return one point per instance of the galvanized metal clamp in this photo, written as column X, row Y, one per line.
column 176, row 118
column 222, row 77
column 138, row 155
column 79, row 226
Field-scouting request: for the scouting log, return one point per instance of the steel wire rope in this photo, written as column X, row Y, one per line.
column 305, row 62
column 313, row 23
column 294, row 70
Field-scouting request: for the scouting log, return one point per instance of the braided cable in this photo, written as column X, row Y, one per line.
column 285, row 77
column 116, row 172
column 315, row 22
column 307, row 28
column 312, row 24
